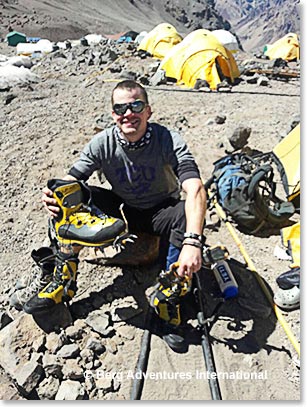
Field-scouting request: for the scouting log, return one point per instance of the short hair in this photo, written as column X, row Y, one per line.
column 130, row 84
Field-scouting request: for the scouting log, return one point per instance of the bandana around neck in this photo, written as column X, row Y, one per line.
column 136, row 144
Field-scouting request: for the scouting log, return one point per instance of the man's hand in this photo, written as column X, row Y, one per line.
column 190, row 261
column 50, row 203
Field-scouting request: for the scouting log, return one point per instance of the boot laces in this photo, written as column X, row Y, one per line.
column 87, row 215
column 28, row 278
column 33, row 288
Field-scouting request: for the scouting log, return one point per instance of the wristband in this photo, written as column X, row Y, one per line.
column 192, row 242
column 193, row 236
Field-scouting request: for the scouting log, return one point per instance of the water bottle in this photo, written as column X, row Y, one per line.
column 225, row 279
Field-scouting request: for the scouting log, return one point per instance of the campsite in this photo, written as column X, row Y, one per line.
column 46, row 118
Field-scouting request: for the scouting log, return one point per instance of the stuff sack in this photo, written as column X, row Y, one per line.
column 245, row 189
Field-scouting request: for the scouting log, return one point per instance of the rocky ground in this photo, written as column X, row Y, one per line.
column 44, row 125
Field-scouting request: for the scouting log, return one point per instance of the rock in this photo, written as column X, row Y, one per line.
column 5, row 319
column 39, row 343
column 125, row 313
column 54, row 342
column 87, row 355
column 70, row 390
column 263, row 81
column 158, row 78
column 100, row 322
column 105, row 383
column 8, row 390
column 74, row 332
column 201, row 84
column 95, row 345
column 16, row 341
column 71, row 370
column 69, row 351
column 111, row 346
column 52, row 365
column 220, row 119
column 48, row 388
column 239, row 137
column 28, row 376
column 126, row 332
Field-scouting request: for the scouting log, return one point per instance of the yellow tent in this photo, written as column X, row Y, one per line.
column 287, row 155
column 290, row 237
column 286, row 48
column 160, row 40
column 200, row 56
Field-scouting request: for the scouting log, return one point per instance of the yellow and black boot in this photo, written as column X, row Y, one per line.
column 167, row 296
column 62, row 288
column 79, row 222
column 166, row 301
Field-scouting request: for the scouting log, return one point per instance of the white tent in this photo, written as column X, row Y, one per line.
column 227, row 39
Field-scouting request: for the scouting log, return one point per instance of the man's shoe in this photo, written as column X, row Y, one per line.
column 174, row 337
column 20, row 297
column 44, row 259
column 31, row 283
column 62, row 288
column 78, row 221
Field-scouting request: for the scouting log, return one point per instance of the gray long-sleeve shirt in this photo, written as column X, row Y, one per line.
column 142, row 177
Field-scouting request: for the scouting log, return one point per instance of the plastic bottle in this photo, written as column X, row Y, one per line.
column 225, row 279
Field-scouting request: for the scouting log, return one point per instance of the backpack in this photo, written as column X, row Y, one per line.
column 245, row 189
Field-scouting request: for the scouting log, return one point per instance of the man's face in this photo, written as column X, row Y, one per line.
column 132, row 125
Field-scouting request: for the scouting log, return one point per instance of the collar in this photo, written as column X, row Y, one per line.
column 136, row 144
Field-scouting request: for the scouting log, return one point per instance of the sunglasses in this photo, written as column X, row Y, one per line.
column 136, row 107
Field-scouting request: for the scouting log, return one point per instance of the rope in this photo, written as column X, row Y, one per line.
column 252, row 268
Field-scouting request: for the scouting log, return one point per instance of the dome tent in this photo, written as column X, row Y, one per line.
column 160, row 40
column 227, row 39
column 200, row 56
column 286, row 48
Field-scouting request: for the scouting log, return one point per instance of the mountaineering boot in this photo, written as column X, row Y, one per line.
column 174, row 337
column 166, row 302
column 62, row 288
column 80, row 222
column 31, row 283
column 169, row 291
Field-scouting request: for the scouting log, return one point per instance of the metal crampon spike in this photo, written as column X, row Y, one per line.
column 120, row 241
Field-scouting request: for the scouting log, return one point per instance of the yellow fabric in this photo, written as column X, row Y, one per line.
column 195, row 58
column 160, row 40
column 291, row 239
column 288, row 154
column 286, row 48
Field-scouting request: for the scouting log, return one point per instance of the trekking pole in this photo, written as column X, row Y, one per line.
column 206, row 346
column 252, row 267
column 141, row 367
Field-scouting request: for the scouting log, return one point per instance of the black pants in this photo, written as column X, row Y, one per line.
column 166, row 220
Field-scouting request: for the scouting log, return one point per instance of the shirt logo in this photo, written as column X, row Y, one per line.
column 136, row 179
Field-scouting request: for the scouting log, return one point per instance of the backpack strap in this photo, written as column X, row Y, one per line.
column 262, row 173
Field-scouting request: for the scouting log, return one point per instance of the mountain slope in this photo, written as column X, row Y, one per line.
column 260, row 22
column 255, row 22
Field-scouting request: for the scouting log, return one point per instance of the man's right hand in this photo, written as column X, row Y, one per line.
column 50, row 203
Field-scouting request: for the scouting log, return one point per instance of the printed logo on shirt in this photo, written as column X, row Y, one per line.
column 136, row 179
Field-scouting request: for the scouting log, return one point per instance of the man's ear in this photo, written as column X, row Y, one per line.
column 149, row 111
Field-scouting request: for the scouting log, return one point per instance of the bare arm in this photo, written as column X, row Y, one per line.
column 190, row 258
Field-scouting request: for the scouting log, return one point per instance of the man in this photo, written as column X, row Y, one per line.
column 145, row 164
